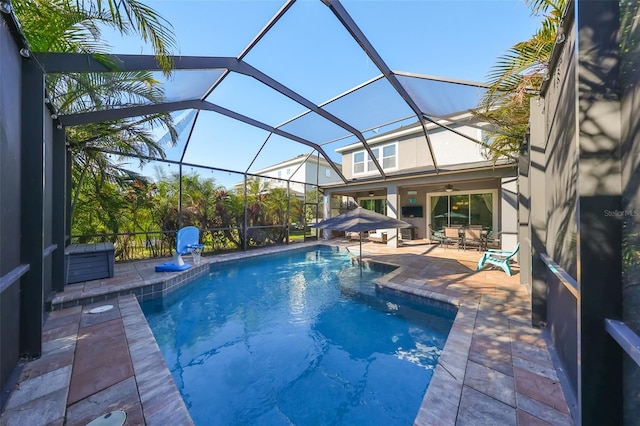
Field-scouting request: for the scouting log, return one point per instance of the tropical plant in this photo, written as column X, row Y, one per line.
column 516, row 77
column 74, row 26
column 277, row 203
column 313, row 205
column 256, row 194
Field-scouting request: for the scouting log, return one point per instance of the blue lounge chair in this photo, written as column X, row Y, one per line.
column 499, row 258
column 187, row 241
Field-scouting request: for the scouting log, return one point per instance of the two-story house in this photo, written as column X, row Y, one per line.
column 457, row 185
column 297, row 173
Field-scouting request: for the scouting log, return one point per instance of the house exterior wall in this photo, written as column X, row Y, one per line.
column 422, row 188
column 480, row 186
column 300, row 176
column 26, row 198
column 413, row 151
column 450, row 148
column 553, row 192
column 347, row 165
column 581, row 173
column 326, row 175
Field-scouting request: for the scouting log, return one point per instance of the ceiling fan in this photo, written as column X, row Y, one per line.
column 449, row 188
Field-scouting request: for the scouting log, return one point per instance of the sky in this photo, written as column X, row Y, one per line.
column 311, row 52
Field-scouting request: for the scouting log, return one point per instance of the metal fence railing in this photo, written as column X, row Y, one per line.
column 155, row 244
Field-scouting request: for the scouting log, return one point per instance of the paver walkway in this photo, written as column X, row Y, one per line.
column 93, row 364
column 495, row 368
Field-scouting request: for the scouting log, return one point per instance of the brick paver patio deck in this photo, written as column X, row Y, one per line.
column 494, row 370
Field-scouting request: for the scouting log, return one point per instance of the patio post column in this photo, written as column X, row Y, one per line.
column 245, row 220
column 59, row 205
column 392, row 211
column 68, row 194
column 508, row 211
column 524, row 211
column 537, row 215
column 179, row 198
column 32, row 209
column 326, row 213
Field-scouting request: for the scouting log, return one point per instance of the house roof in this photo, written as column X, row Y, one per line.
column 501, row 167
column 296, row 161
column 449, row 123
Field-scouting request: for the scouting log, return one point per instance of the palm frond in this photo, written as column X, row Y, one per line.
column 148, row 23
column 516, row 76
column 81, row 92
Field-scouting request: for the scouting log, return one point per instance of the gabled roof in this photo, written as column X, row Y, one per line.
column 296, row 161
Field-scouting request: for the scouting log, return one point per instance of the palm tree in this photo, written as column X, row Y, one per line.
column 257, row 190
column 74, row 26
column 516, row 77
column 131, row 137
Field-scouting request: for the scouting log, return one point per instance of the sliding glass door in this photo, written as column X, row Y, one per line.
column 462, row 210
column 378, row 205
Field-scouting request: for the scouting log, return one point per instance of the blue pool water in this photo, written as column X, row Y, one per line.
column 300, row 338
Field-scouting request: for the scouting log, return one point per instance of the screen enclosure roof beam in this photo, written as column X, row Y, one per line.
column 136, row 111
column 350, row 25
column 77, row 62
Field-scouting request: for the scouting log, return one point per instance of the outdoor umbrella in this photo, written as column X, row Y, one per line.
column 361, row 219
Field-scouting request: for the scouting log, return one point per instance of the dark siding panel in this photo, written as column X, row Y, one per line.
column 10, row 124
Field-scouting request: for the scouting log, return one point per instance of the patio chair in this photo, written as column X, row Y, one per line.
column 452, row 235
column 473, row 237
column 187, row 242
column 437, row 236
column 500, row 258
column 492, row 239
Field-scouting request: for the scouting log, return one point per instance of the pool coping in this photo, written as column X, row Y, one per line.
column 163, row 283
column 448, row 376
column 444, row 400
column 159, row 396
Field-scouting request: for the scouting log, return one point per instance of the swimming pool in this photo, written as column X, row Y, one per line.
column 301, row 337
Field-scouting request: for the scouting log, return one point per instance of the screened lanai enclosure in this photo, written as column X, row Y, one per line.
column 241, row 139
column 246, row 137
column 278, row 114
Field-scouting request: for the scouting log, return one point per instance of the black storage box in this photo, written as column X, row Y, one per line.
column 85, row 262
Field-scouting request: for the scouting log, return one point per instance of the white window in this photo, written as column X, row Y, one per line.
column 279, row 173
column 371, row 166
column 386, row 156
column 288, row 172
column 327, row 173
column 389, row 157
column 358, row 162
